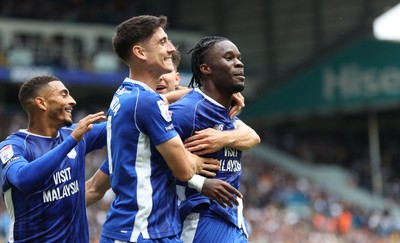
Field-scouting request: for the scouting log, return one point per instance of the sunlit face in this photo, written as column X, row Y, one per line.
column 158, row 53
column 227, row 69
column 60, row 103
column 168, row 82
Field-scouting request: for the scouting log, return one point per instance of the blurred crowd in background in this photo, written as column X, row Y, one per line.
column 82, row 11
column 59, row 52
column 346, row 148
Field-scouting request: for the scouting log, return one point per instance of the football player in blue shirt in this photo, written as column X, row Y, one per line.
column 144, row 152
column 218, row 72
column 43, row 166
column 99, row 183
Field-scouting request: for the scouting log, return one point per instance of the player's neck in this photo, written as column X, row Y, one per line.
column 220, row 97
column 144, row 77
column 42, row 128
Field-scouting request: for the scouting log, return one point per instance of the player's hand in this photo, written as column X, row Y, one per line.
column 221, row 191
column 85, row 124
column 205, row 166
column 205, row 141
column 238, row 104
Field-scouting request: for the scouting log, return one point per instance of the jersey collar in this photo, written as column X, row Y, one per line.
column 135, row 82
column 209, row 98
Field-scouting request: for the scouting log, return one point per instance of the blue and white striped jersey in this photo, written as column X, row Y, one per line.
column 43, row 184
column 194, row 112
column 145, row 188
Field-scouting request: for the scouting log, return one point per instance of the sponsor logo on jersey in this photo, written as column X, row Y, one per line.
column 163, row 106
column 219, row 127
column 6, row 153
column 169, row 128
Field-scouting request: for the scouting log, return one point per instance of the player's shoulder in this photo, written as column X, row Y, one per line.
column 139, row 95
column 189, row 99
column 148, row 100
column 16, row 137
column 15, row 140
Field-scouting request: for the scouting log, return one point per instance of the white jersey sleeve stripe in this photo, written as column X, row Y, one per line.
column 109, row 135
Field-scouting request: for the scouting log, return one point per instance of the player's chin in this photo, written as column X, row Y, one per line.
column 239, row 87
column 68, row 122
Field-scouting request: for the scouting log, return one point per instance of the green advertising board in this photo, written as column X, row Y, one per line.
column 365, row 75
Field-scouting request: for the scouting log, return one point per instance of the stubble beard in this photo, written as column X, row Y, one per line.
column 57, row 112
column 68, row 123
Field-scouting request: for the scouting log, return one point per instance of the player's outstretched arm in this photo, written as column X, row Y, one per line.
column 211, row 140
column 175, row 155
column 26, row 175
column 96, row 187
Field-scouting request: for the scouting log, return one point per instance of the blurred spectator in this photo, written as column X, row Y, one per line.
column 19, row 54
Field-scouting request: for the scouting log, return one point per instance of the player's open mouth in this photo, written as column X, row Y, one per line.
column 168, row 59
column 160, row 87
column 68, row 110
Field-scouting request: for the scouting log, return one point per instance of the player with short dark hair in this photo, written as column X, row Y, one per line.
column 43, row 166
column 218, row 73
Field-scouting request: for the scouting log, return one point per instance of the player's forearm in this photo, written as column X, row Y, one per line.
column 96, row 187
column 242, row 138
column 175, row 155
column 91, row 194
column 192, row 162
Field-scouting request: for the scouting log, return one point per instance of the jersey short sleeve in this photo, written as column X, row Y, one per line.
column 154, row 118
column 11, row 152
column 104, row 167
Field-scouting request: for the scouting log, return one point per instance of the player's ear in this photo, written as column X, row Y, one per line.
column 177, row 79
column 139, row 52
column 205, row 69
column 40, row 102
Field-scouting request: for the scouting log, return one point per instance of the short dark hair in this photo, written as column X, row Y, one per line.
column 134, row 30
column 30, row 89
column 198, row 53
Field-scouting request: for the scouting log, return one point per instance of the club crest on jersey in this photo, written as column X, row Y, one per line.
column 6, row 153
column 72, row 154
column 163, row 106
column 219, row 127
